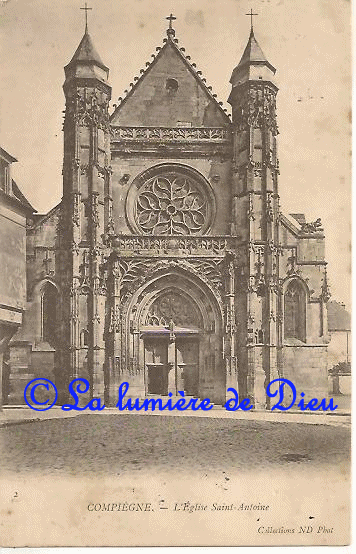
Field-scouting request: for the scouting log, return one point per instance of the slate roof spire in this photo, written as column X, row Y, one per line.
column 251, row 61
column 86, row 62
column 86, row 52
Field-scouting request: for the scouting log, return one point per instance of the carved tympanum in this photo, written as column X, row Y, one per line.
column 176, row 308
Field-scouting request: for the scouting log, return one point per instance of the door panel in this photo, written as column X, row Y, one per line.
column 160, row 364
column 156, row 360
column 187, row 364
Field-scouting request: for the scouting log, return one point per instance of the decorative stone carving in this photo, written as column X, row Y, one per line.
column 313, row 227
column 160, row 245
column 115, row 319
column 172, row 204
column 230, row 327
column 185, row 134
column 94, row 209
column 325, row 290
column 269, row 207
column 75, row 208
column 88, row 107
column 250, row 211
column 173, row 309
column 257, row 108
column 212, row 270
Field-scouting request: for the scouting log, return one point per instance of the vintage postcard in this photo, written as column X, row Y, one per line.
column 175, row 339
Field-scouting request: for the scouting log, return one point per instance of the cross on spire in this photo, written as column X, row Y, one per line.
column 171, row 18
column 86, row 9
column 251, row 14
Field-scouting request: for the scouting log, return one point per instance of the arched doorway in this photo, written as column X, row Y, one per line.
column 171, row 330
column 176, row 336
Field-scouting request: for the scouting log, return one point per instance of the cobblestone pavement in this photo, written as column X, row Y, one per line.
column 121, row 444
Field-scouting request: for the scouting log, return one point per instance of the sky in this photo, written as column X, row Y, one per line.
column 308, row 41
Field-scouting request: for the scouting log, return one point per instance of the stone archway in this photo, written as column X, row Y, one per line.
column 174, row 325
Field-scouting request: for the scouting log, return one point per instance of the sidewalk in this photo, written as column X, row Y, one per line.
column 13, row 415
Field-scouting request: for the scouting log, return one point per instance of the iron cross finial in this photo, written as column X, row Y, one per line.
column 86, row 9
column 251, row 14
column 170, row 19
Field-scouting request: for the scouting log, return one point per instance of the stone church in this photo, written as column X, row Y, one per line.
column 168, row 263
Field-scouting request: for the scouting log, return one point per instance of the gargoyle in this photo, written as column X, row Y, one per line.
column 312, row 227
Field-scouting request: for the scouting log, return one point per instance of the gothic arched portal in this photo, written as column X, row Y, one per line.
column 173, row 338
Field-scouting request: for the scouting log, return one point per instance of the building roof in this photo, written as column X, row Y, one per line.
column 6, row 156
column 172, row 42
column 42, row 218
column 87, row 53
column 21, row 197
column 253, row 53
column 14, row 196
column 339, row 319
column 252, row 56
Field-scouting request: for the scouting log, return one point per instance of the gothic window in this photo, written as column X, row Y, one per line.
column 172, row 202
column 294, row 311
column 84, row 337
column 49, row 313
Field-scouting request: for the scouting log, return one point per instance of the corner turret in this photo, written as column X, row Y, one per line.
column 86, row 63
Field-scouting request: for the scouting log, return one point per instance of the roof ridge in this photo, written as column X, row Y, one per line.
column 41, row 218
column 192, row 67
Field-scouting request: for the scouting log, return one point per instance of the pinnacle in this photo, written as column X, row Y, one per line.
column 253, row 52
column 252, row 56
column 86, row 52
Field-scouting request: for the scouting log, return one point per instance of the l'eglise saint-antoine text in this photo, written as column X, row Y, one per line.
column 188, row 507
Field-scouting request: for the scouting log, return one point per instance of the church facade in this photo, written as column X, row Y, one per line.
column 168, row 263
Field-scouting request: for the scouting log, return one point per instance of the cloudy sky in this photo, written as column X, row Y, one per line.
column 308, row 41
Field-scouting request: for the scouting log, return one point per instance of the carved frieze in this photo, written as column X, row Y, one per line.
column 172, row 245
column 168, row 134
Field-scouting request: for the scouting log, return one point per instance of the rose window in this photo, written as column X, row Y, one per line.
column 173, row 204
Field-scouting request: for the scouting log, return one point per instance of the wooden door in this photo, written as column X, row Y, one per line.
column 187, row 365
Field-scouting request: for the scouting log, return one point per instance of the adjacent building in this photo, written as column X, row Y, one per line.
column 15, row 213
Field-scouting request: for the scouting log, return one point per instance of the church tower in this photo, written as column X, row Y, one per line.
column 256, row 218
column 85, row 214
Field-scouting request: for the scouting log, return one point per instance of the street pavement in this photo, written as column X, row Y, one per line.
column 119, row 444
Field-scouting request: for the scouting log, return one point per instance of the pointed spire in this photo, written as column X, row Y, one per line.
column 253, row 56
column 86, row 52
column 253, row 52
